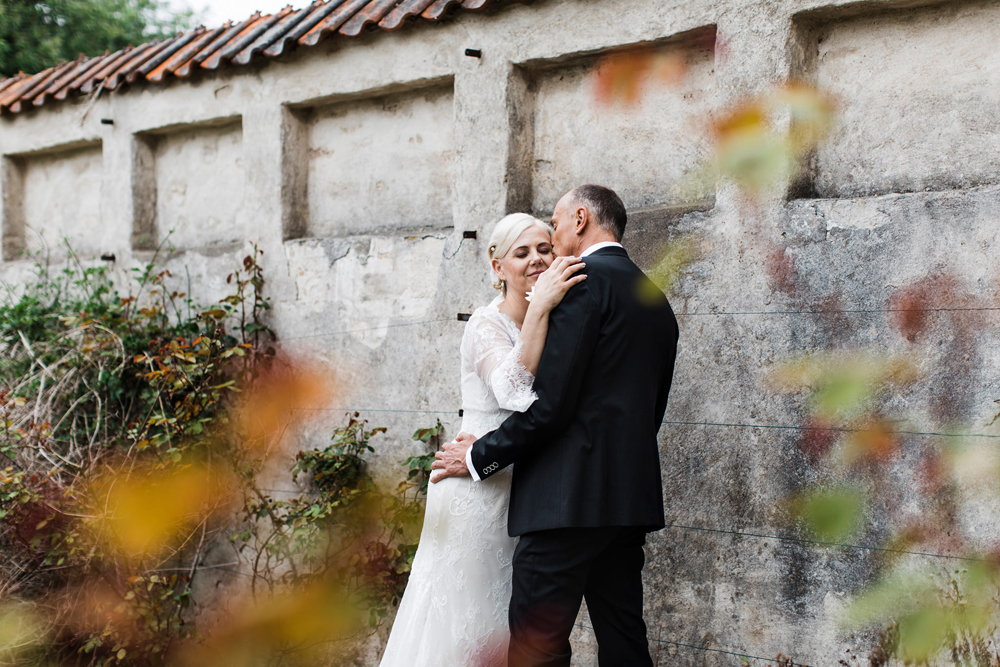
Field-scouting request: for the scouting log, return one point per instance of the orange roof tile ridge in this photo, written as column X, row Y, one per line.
column 246, row 41
column 437, row 9
column 270, row 35
column 394, row 20
column 81, row 75
column 112, row 63
column 182, row 40
column 37, row 87
column 286, row 21
column 229, row 30
column 13, row 93
column 80, row 64
column 183, row 55
column 334, row 20
column 215, row 59
column 371, row 13
column 130, row 72
column 129, row 59
column 312, row 14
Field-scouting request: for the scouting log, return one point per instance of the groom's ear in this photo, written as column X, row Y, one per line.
column 581, row 216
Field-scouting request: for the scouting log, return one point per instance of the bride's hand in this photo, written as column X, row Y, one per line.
column 551, row 286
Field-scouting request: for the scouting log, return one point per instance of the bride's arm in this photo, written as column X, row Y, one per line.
column 548, row 292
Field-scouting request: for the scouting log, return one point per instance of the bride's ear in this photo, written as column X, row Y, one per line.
column 497, row 280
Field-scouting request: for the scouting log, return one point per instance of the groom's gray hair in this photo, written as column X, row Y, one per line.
column 605, row 207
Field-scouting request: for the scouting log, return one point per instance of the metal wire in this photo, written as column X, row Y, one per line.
column 707, row 313
column 350, row 331
column 826, row 311
column 426, row 412
column 838, row 429
column 707, row 648
column 823, row 543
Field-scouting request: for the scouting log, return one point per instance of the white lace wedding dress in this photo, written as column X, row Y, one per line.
column 454, row 610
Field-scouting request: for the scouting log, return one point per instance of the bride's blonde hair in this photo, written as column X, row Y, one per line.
column 505, row 234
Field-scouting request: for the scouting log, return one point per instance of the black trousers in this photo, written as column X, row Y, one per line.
column 553, row 571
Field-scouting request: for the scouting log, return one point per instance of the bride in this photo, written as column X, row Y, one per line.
column 454, row 610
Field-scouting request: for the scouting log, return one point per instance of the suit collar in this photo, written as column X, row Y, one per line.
column 598, row 246
column 609, row 251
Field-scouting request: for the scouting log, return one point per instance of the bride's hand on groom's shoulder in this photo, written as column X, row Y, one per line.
column 552, row 285
column 450, row 461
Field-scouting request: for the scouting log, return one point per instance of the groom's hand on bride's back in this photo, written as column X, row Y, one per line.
column 450, row 461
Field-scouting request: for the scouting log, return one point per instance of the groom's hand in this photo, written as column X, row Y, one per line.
column 450, row 461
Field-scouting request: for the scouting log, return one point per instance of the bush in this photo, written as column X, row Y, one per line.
column 133, row 432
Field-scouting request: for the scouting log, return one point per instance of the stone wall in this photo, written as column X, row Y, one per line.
column 359, row 167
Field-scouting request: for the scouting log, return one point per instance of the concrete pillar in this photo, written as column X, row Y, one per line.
column 753, row 54
column 264, row 155
column 491, row 177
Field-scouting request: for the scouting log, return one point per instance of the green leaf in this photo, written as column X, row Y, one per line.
column 832, row 515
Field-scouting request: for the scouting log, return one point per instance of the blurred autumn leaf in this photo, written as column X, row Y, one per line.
column 146, row 509
column 302, row 619
column 275, row 399
column 21, row 627
column 876, row 441
column 832, row 514
column 760, row 143
column 622, row 78
column 932, row 609
column 674, row 259
column 842, row 384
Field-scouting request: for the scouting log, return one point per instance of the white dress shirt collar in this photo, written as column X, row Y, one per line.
column 598, row 246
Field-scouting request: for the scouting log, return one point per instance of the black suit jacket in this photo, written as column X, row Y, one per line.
column 586, row 450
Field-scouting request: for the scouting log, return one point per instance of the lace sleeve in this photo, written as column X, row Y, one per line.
column 497, row 360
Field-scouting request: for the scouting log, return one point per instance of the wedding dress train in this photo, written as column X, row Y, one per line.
column 454, row 610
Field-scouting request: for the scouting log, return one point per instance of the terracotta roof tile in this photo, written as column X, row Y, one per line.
column 370, row 13
column 80, row 75
column 404, row 10
column 437, row 9
column 232, row 44
column 10, row 81
column 163, row 55
column 130, row 71
column 247, row 38
column 67, row 75
column 228, row 32
column 109, row 65
column 183, row 55
column 286, row 21
column 343, row 11
column 126, row 64
column 39, row 83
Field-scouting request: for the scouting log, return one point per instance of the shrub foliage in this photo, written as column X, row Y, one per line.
column 134, row 431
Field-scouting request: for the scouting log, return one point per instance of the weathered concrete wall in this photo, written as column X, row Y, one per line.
column 380, row 164
column 357, row 167
column 199, row 182
column 55, row 198
column 648, row 152
column 919, row 100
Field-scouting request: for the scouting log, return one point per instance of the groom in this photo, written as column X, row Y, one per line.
column 586, row 486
